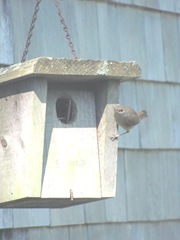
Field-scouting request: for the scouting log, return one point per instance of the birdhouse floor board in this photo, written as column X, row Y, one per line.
column 47, row 202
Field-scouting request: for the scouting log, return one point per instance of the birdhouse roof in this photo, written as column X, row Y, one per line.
column 70, row 70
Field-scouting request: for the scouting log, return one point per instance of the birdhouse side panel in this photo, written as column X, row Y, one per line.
column 22, row 111
column 106, row 95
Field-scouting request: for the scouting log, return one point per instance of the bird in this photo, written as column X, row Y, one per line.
column 126, row 117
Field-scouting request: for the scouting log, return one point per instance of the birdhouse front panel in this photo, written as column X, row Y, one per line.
column 70, row 163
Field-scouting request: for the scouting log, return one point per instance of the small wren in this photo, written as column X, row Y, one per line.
column 127, row 118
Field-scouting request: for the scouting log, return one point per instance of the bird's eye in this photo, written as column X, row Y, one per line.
column 121, row 110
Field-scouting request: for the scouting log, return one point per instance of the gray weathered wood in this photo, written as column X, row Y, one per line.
column 115, row 208
column 109, row 48
column 78, row 231
column 167, row 5
column 130, row 34
column 71, row 216
column 6, row 218
column 154, row 45
column 20, row 151
column 171, row 47
column 83, row 42
column 144, row 3
column 106, row 127
column 72, row 152
column 30, row 218
column 152, row 185
column 70, row 70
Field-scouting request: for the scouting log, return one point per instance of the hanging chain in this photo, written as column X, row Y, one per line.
column 65, row 28
column 30, row 33
column 28, row 41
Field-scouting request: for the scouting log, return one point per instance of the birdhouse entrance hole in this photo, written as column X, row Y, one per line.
column 66, row 109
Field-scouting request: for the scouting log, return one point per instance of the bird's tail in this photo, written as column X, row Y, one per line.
column 142, row 114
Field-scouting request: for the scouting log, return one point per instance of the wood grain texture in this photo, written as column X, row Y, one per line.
column 86, row 36
column 130, row 34
column 71, row 70
column 31, row 218
column 167, row 5
column 105, row 96
column 108, row 37
column 72, row 154
column 73, row 215
column 171, row 47
column 116, row 208
column 149, row 4
column 152, row 185
column 150, row 231
column 154, row 45
column 6, row 218
column 20, row 131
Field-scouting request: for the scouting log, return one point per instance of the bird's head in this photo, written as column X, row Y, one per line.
column 119, row 109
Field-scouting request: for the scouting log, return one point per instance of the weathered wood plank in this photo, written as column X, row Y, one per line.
column 130, row 34
column 115, row 208
column 150, row 4
column 19, row 133
column 6, row 218
column 95, row 212
column 23, row 218
column 72, row 152
column 78, row 232
column 122, row 1
column 105, row 96
column 171, row 47
column 108, row 35
column 145, row 230
column 148, row 230
column 71, row 70
column 48, row 233
column 152, row 185
column 87, row 30
column 167, row 5
column 67, row 216
column 154, row 45
column 12, row 234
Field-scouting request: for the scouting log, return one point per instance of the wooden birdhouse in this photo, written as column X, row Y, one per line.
column 56, row 119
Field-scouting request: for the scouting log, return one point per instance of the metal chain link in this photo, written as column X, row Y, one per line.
column 30, row 33
column 65, row 28
column 28, row 41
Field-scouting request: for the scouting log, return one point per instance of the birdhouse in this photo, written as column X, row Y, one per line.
column 56, row 120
